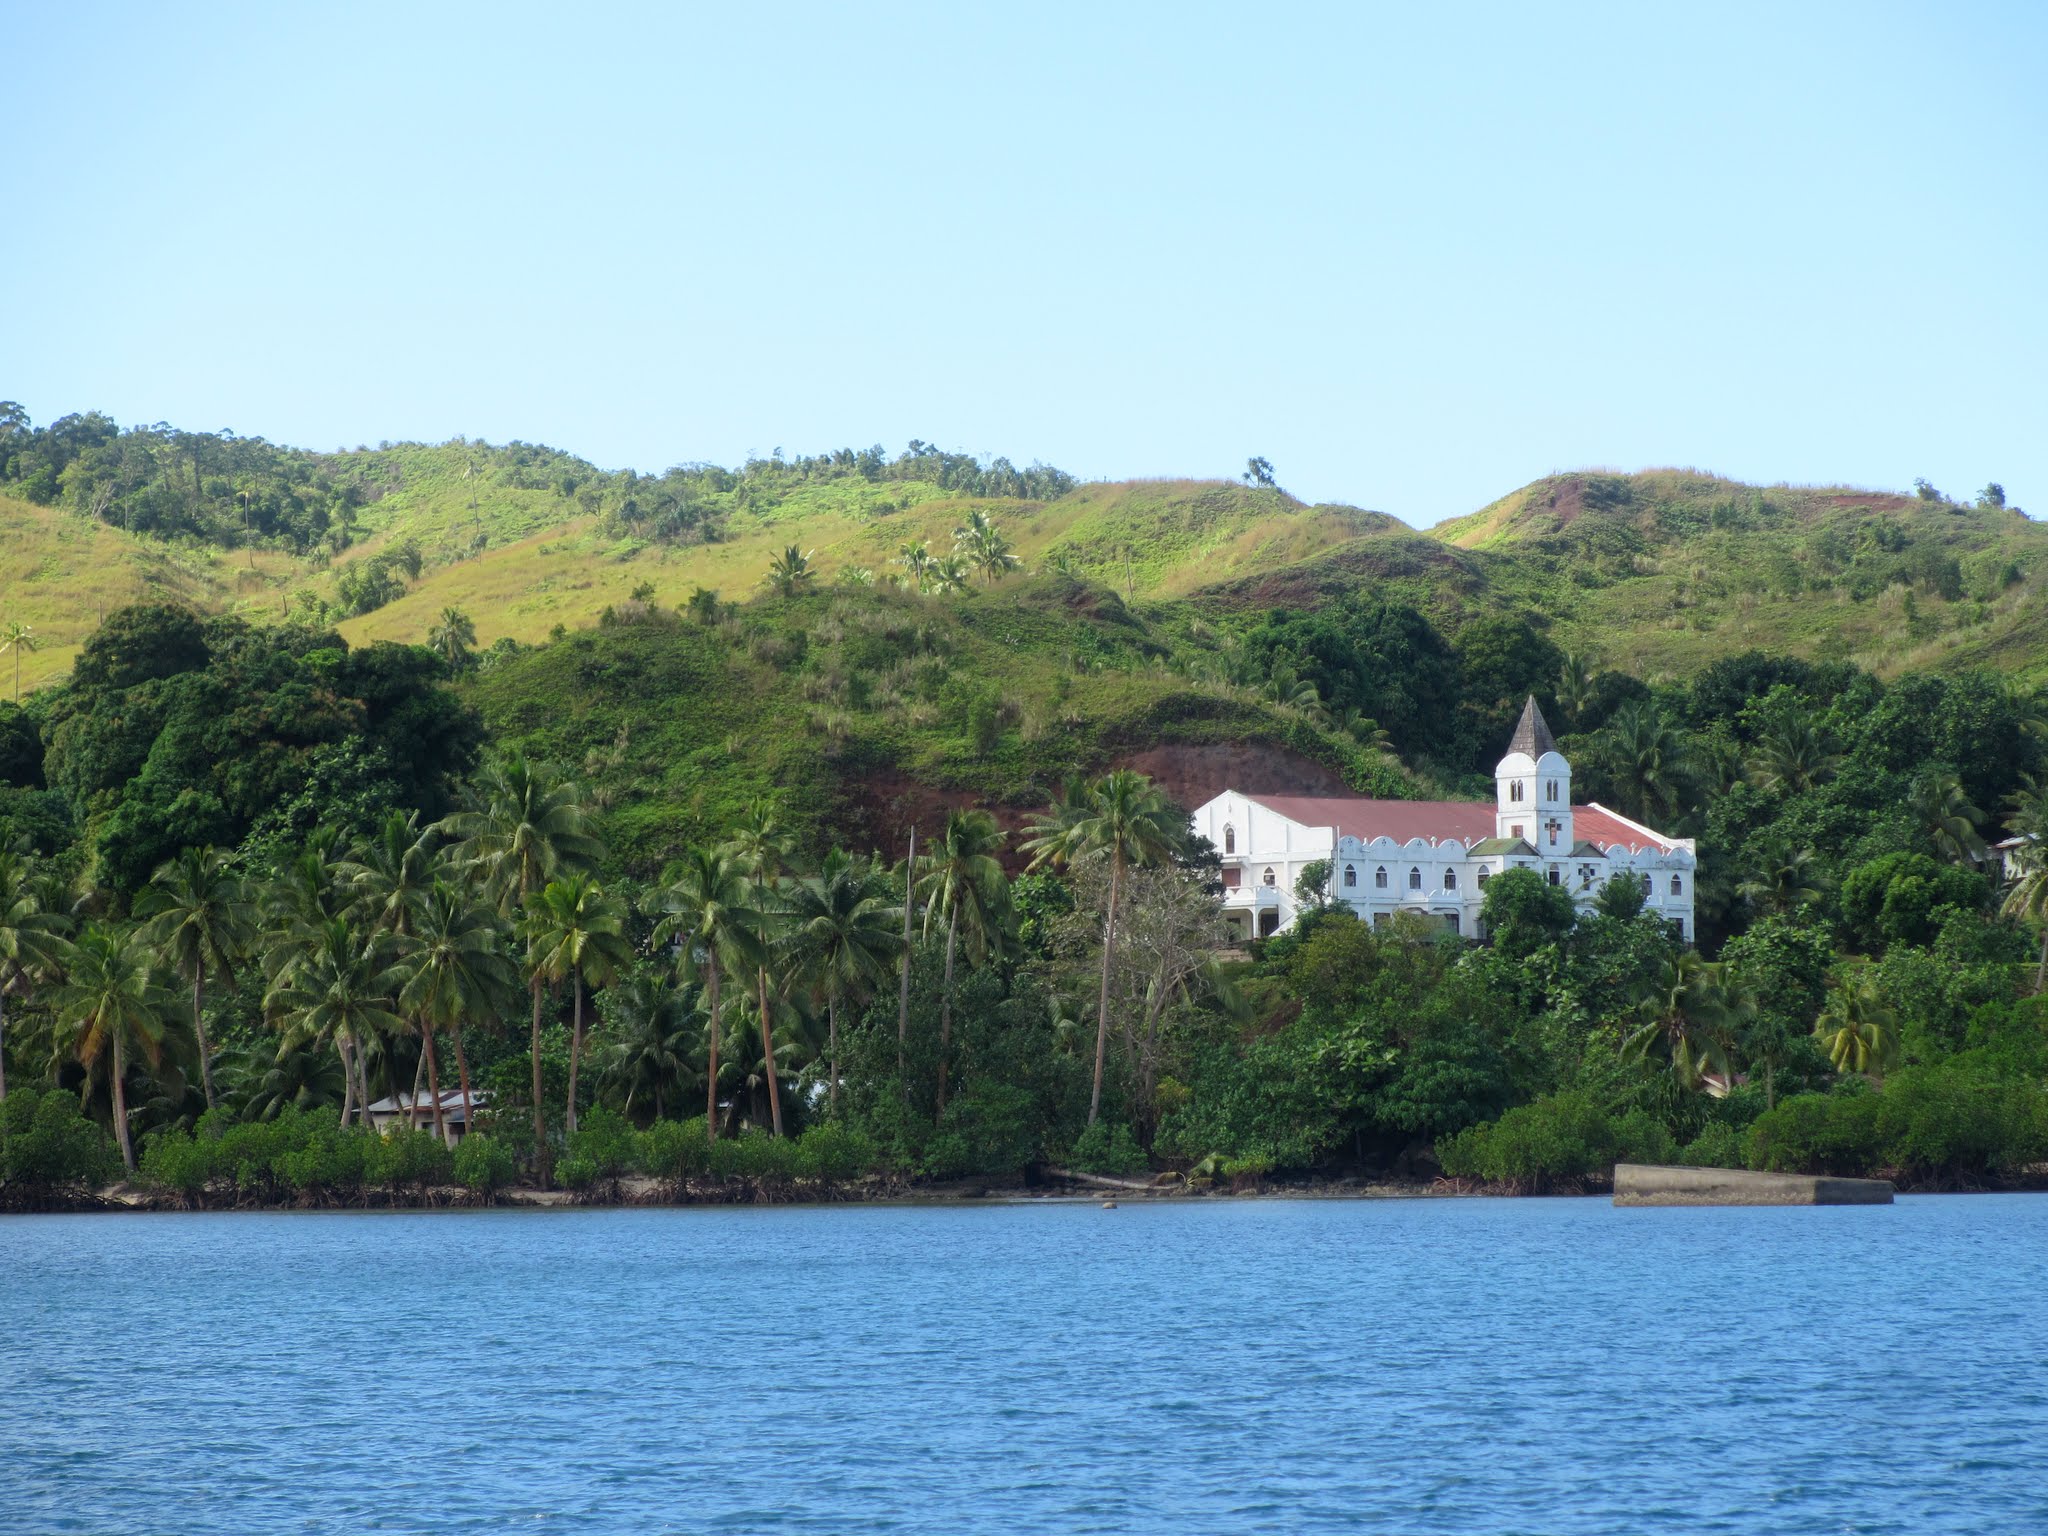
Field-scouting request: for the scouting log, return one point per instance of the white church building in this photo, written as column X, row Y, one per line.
column 1434, row 857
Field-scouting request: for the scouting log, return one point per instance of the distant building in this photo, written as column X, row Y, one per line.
column 1434, row 857
column 404, row 1109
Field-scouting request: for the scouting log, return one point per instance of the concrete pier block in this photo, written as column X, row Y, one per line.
column 1646, row 1184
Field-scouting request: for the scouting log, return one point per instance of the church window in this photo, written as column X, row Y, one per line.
column 1482, row 879
column 1350, row 875
column 1267, row 877
column 1677, row 886
column 1515, row 790
column 1379, row 879
column 1450, row 879
column 1681, row 928
column 1414, row 879
column 1555, row 877
column 1647, row 885
column 1229, row 838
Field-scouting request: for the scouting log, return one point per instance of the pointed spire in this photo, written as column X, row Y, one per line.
column 1532, row 735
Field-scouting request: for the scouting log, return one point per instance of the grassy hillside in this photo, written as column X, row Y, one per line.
column 1660, row 573
column 61, row 571
column 1655, row 573
column 860, row 711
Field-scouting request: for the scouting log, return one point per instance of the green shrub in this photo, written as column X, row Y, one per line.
column 605, row 1143
column 328, row 1158
column 834, row 1153
column 482, row 1165
column 1104, row 1148
column 46, row 1142
column 1954, row 1120
column 410, row 1156
column 673, row 1149
column 178, row 1161
column 754, row 1155
column 1566, row 1136
column 1718, row 1145
column 1816, row 1133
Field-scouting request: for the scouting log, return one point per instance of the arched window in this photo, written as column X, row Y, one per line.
column 1647, row 885
column 1229, row 838
column 1415, row 879
column 1350, row 875
column 1379, row 879
column 1677, row 886
column 1555, row 877
column 1450, row 879
column 1515, row 790
column 1267, row 877
column 1482, row 879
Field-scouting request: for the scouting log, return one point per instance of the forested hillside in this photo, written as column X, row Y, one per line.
column 604, row 782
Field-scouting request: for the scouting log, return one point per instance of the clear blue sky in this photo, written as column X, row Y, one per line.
column 1415, row 255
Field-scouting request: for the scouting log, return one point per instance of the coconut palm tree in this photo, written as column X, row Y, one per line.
column 951, row 574
column 576, row 933
column 1857, row 1028
column 790, row 572
column 708, row 916
column 453, row 638
column 656, row 1023
column 1649, row 757
column 1792, row 757
column 916, row 558
column 525, row 824
column 390, row 873
column 455, row 971
column 32, row 929
column 1364, row 730
column 1689, row 1017
column 112, row 1004
column 841, row 937
column 202, row 921
column 1574, row 687
column 339, row 993
column 762, row 847
column 1786, row 882
column 1943, row 813
column 964, row 888
column 1124, row 819
column 300, row 900
column 17, row 637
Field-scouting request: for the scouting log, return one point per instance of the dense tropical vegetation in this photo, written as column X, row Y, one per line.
column 863, row 868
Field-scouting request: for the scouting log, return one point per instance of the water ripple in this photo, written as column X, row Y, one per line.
column 1287, row 1367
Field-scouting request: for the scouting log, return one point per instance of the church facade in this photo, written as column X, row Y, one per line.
column 1434, row 857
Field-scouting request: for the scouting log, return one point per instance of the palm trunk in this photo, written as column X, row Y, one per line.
column 903, row 994
column 2040, row 982
column 540, row 1129
column 348, row 1079
column 419, row 1073
column 575, row 1051
column 711, row 1074
column 946, row 1008
column 363, row 1085
column 768, row 1053
column 3, row 1040
column 199, row 1029
column 462, row 1071
column 1116, row 882
column 832, row 1051
column 434, row 1086
column 121, row 1104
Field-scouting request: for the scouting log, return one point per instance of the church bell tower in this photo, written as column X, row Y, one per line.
column 1533, row 788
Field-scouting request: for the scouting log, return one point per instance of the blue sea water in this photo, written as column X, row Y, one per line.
column 1402, row 1366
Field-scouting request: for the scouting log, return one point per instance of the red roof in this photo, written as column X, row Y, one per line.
column 1469, row 821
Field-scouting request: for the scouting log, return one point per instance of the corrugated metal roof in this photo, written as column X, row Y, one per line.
column 1469, row 821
